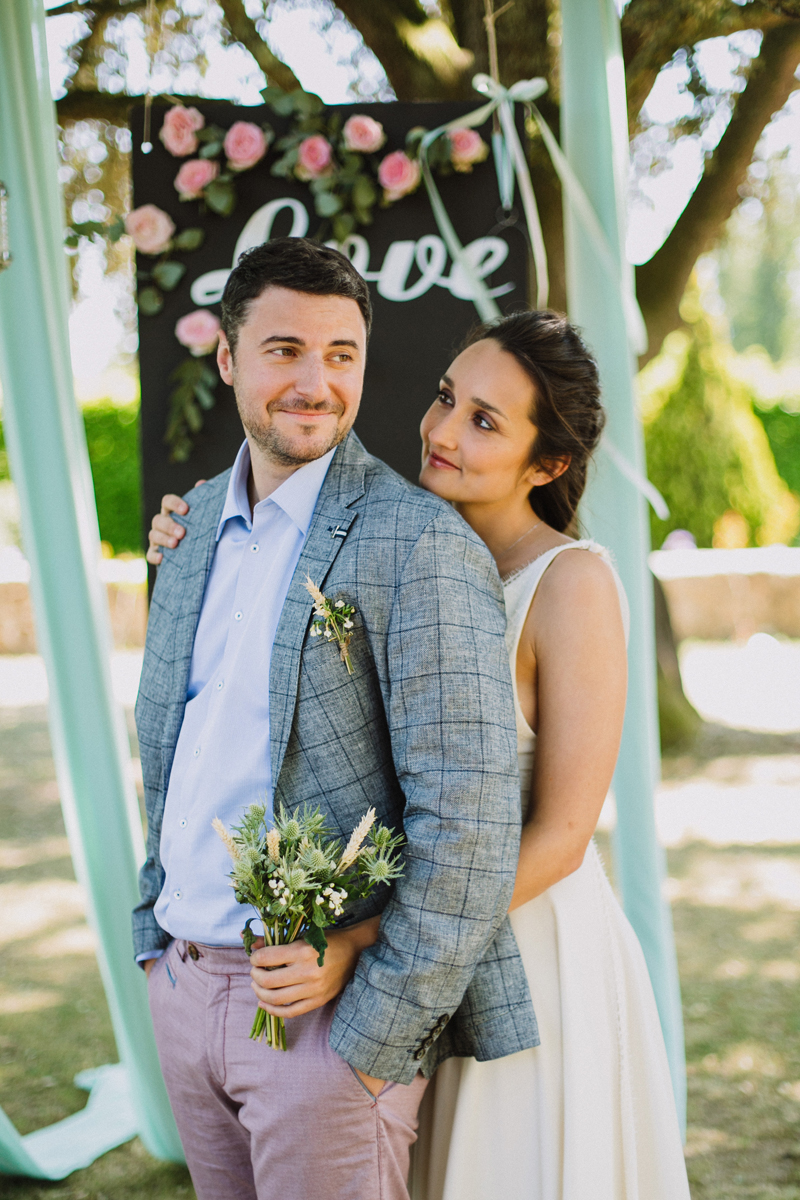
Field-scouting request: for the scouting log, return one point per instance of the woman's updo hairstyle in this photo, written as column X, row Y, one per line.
column 567, row 412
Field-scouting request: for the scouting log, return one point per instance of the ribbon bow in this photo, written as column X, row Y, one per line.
column 510, row 161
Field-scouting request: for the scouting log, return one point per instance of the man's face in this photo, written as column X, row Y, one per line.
column 298, row 372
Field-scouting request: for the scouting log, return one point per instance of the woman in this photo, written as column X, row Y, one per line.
column 589, row 1114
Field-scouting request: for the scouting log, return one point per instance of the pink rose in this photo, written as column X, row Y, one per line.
column 314, row 158
column 467, row 147
column 193, row 176
column 363, row 134
column 150, row 228
column 245, row 145
column 398, row 175
column 179, row 130
column 198, row 331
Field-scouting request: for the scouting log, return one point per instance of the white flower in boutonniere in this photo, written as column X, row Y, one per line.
column 332, row 621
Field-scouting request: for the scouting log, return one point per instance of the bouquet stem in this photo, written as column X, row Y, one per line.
column 270, row 1029
column 265, row 1025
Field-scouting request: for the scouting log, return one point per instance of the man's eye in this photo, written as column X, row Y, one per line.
column 343, row 357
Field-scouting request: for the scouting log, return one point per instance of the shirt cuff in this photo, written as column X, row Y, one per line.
column 147, row 954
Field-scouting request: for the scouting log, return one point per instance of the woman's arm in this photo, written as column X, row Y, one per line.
column 573, row 653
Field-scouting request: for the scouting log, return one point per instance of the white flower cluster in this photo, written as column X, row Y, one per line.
column 334, row 899
column 280, row 891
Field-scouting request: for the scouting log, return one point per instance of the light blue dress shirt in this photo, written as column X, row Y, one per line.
column 222, row 759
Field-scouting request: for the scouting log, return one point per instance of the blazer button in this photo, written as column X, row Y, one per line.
column 419, row 1053
column 443, row 1019
column 193, row 952
column 428, row 1042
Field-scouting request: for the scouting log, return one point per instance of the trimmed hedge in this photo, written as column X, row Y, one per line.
column 707, row 451
column 112, row 435
column 783, row 431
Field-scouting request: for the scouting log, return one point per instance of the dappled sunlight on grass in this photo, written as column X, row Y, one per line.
column 54, row 1019
column 745, row 880
column 28, row 1001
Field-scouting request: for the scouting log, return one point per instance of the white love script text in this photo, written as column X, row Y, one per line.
column 423, row 262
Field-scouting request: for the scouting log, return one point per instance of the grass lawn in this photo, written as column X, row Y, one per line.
column 737, row 921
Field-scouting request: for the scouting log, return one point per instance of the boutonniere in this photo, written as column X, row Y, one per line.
column 332, row 621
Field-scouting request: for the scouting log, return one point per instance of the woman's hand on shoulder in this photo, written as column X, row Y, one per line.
column 163, row 530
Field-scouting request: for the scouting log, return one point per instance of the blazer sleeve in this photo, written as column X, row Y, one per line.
column 450, row 711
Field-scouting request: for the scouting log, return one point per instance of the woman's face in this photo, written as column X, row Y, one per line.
column 478, row 434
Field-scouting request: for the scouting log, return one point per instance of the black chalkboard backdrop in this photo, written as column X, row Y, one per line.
column 413, row 340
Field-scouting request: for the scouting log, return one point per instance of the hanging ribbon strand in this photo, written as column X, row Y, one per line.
column 510, row 162
column 502, row 102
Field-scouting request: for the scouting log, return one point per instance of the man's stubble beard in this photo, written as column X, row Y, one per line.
column 278, row 448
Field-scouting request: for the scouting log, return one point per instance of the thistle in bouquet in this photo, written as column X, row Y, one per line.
column 299, row 879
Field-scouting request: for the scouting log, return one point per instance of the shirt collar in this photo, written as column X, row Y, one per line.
column 297, row 496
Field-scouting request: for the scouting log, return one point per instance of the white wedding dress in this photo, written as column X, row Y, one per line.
column 589, row 1114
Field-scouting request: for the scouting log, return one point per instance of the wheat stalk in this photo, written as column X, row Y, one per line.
column 356, row 838
column 230, row 844
column 319, row 599
column 274, row 845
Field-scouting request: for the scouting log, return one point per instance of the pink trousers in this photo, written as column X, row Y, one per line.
column 262, row 1124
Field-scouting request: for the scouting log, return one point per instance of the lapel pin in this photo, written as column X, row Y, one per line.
column 338, row 532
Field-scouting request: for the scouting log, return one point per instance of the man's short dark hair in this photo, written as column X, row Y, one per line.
column 295, row 263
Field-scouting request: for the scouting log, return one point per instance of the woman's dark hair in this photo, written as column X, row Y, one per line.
column 567, row 412
column 295, row 263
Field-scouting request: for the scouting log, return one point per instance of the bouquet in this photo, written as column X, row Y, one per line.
column 298, row 879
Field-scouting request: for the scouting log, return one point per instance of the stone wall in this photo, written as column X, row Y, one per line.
column 719, row 607
column 127, row 605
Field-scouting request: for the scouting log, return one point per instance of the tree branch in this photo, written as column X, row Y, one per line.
column 244, row 30
column 652, row 33
column 422, row 59
column 108, row 106
column 661, row 281
column 100, row 8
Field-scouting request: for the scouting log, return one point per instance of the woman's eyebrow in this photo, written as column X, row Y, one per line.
column 476, row 400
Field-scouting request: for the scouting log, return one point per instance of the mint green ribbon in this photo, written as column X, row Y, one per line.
column 502, row 101
column 510, row 161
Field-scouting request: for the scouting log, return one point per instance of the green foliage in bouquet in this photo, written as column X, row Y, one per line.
column 298, row 879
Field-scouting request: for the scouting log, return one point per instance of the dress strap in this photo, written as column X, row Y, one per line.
column 520, row 589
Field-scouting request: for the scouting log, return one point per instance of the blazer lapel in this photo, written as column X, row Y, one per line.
column 332, row 519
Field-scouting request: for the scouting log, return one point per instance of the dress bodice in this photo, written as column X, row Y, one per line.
column 519, row 590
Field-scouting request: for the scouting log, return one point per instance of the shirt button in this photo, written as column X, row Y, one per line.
column 237, row 616
column 254, row 548
column 197, row 751
column 182, row 823
column 178, row 894
column 220, row 685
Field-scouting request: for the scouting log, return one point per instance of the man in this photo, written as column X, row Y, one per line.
column 237, row 701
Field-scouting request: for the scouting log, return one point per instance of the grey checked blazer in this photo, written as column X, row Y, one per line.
column 423, row 730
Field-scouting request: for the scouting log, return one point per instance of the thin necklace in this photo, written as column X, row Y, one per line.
column 523, row 535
